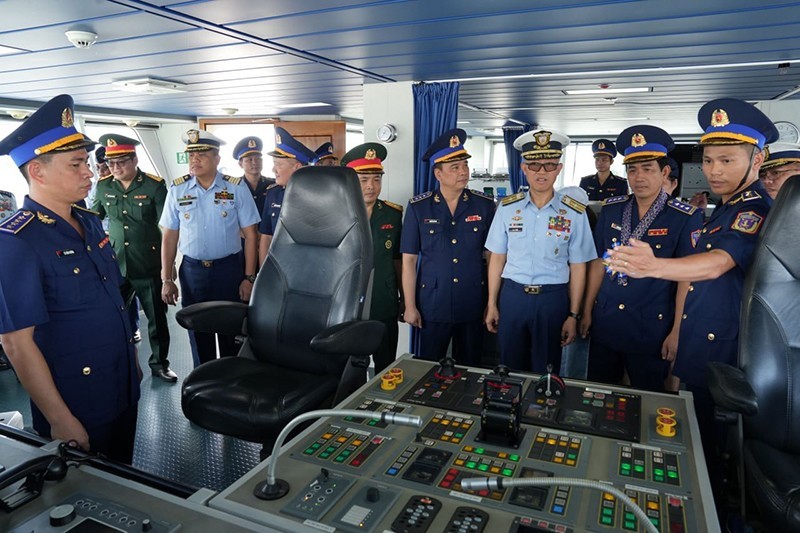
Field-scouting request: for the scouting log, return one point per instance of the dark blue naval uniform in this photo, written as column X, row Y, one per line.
column 613, row 186
column 630, row 320
column 271, row 210
column 710, row 327
column 451, row 286
column 260, row 192
column 68, row 288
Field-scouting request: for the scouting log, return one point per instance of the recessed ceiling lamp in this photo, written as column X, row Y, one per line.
column 229, row 110
column 149, row 85
column 80, row 38
column 306, row 104
column 19, row 114
column 606, row 89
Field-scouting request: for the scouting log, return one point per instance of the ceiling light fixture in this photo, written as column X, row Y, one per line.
column 607, row 90
column 306, row 104
column 783, row 68
column 229, row 110
column 149, row 85
column 81, row 38
column 19, row 114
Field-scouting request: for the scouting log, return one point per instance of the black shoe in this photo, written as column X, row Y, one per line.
column 167, row 375
column 137, row 336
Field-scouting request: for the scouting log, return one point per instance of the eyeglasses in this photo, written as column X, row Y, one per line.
column 536, row 167
column 118, row 162
column 777, row 173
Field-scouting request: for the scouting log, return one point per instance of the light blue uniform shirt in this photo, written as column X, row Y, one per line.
column 210, row 219
column 538, row 243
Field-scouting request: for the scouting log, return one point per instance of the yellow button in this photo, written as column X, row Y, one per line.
column 455, row 280
column 76, row 270
column 87, row 370
column 607, row 496
column 652, row 505
column 455, row 260
column 454, row 241
column 621, row 307
column 708, row 246
column 711, row 336
column 691, row 288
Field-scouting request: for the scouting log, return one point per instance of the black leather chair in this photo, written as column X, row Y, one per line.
column 305, row 346
column 765, row 389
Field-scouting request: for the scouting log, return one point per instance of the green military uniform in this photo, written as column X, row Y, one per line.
column 385, row 221
column 133, row 216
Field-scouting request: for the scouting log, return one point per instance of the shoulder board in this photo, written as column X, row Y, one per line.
column 85, row 210
column 681, row 206
column 16, row 222
column 271, row 186
column 154, row 177
column 615, row 199
column 182, row 179
column 573, row 203
column 104, row 178
column 508, row 200
column 750, row 195
column 481, row 194
column 232, row 180
column 393, row 205
column 620, row 178
column 422, row 196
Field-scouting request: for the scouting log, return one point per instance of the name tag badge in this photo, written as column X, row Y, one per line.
column 65, row 253
column 431, row 221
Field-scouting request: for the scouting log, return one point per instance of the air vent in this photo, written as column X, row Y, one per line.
column 150, row 86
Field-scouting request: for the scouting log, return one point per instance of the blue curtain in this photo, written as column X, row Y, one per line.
column 435, row 112
column 511, row 132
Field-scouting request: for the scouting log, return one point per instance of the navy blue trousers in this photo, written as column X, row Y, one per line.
column 529, row 333
column 467, row 337
column 645, row 367
column 203, row 281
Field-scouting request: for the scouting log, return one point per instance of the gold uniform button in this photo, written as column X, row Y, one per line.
column 431, row 232
column 475, row 228
column 708, row 246
column 127, row 244
column 153, row 247
column 455, row 280
column 658, row 246
column 683, row 316
column 87, row 370
column 660, row 316
column 88, row 248
column 711, row 336
column 621, row 307
column 124, row 227
column 452, row 222
column 454, row 241
column 124, row 195
column 691, row 288
column 455, row 260
column 124, row 212
column 705, row 230
column 76, row 270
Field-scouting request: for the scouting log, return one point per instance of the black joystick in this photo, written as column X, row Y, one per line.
column 447, row 369
column 550, row 385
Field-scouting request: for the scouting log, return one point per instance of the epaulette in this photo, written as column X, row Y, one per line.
column 508, row 200
column 182, row 179
column 422, row 196
column 84, row 209
column 16, row 222
column 681, row 206
column 153, row 177
column 615, row 199
column 104, row 178
column 233, row 180
column 481, row 194
column 569, row 201
column 746, row 196
column 393, row 205
column 271, row 186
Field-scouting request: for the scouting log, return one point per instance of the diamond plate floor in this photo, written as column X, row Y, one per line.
column 167, row 444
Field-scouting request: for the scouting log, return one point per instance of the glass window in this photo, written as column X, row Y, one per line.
column 499, row 159
column 11, row 179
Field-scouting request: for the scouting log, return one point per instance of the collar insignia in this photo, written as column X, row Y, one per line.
column 44, row 219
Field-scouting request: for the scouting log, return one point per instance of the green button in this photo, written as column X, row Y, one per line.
column 658, row 471
column 346, row 453
column 514, row 458
column 308, row 451
column 626, row 466
column 624, row 473
column 629, row 516
column 316, row 446
column 459, row 435
column 324, row 455
column 630, row 525
column 659, row 478
column 372, row 422
column 348, row 418
column 608, row 511
column 572, row 456
column 606, row 521
column 639, row 468
column 673, row 475
column 483, row 468
column 340, row 459
column 471, row 464
column 654, row 521
column 508, row 472
column 330, row 449
column 479, row 451
column 585, row 402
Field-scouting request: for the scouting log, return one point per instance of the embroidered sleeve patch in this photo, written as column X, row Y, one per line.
column 747, row 222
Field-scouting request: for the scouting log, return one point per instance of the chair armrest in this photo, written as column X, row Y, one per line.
column 730, row 389
column 357, row 337
column 225, row 318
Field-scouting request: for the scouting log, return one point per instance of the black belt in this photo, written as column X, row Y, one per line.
column 535, row 289
column 208, row 263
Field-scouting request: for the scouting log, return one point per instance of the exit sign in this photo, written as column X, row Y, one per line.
column 183, row 158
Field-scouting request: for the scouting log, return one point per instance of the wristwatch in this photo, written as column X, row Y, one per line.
column 251, row 278
column 576, row 316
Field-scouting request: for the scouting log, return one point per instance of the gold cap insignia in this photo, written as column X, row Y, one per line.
column 601, row 146
column 543, row 139
column 330, row 149
column 251, row 143
column 66, row 118
column 638, row 140
column 193, row 136
column 370, row 154
column 278, row 139
column 719, row 118
column 454, row 142
column 111, row 143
